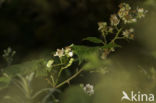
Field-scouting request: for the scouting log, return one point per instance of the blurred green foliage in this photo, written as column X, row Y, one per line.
column 42, row 24
column 75, row 95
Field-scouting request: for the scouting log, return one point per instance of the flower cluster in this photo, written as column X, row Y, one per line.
column 8, row 55
column 88, row 88
column 128, row 33
column 106, row 29
column 64, row 52
column 114, row 20
column 128, row 15
column 124, row 10
column 102, row 26
column 125, row 13
column 141, row 12
column 60, row 53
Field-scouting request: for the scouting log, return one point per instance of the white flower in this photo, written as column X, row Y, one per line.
column 70, row 54
column 114, row 20
column 124, row 6
column 125, row 33
column 122, row 13
column 89, row 89
column 102, row 26
column 49, row 64
column 133, row 20
column 128, row 33
column 59, row 52
column 124, row 10
column 68, row 51
column 129, row 19
column 141, row 12
column 126, row 14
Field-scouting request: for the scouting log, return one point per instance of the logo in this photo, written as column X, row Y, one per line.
column 137, row 97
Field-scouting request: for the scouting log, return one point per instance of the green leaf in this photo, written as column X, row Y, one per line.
column 111, row 45
column 37, row 66
column 83, row 51
column 52, row 90
column 93, row 39
column 94, row 63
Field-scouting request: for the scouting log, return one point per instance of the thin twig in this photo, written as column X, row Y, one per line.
column 69, row 79
column 104, row 37
column 116, row 36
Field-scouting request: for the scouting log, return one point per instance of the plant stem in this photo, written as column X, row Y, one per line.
column 58, row 65
column 61, row 60
column 120, row 38
column 116, row 36
column 60, row 72
column 104, row 37
column 49, row 82
column 53, row 82
column 69, row 79
column 68, row 65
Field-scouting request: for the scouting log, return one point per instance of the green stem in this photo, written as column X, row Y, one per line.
column 120, row 38
column 116, row 28
column 60, row 72
column 116, row 36
column 58, row 65
column 49, row 82
column 104, row 37
column 53, row 82
column 61, row 60
column 68, row 65
column 69, row 79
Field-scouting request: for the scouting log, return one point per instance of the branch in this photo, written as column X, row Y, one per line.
column 116, row 36
column 69, row 79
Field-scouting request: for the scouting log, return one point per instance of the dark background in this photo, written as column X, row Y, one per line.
column 36, row 25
